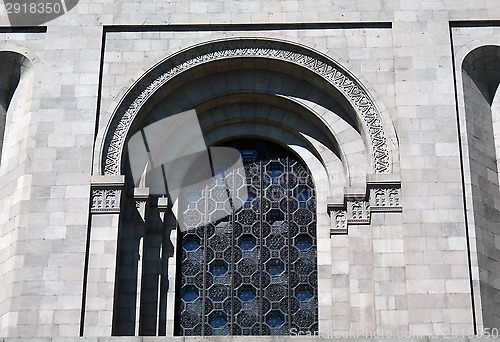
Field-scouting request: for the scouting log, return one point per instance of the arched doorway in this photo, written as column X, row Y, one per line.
column 253, row 271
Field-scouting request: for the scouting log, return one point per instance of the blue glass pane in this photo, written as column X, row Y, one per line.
column 275, row 215
column 249, row 155
column 274, row 170
column 246, row 293
column 247, row 242
column 189, row 293
column 303, row 242
column 275, row 319
column 275, row 267
column 274, row 173
column 193, row 196
column 304, row 293
column 250, row 197
column 217, row 319
column 249, row 200
column 191, row 243
column 218, row 268
column 302, row 193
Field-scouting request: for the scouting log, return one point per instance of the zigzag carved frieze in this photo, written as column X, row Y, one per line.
column 322, row 66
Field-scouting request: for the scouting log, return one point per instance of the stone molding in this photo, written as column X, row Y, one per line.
column 338, row 221
column 382, row 197
column 141, row 198
column 358, row 212
column 322, row 66
column 106, row 194
column 385, row 199
column 152, row 211
column 105, row 200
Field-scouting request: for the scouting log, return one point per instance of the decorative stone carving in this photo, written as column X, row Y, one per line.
column 141, row 198
column 140, row 205
column 162, row 207
column 385, row 199
column 338, row 222
column 106, row 200
column 358, row 212
column 246, row 48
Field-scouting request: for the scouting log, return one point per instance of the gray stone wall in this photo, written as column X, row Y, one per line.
column 406, row 271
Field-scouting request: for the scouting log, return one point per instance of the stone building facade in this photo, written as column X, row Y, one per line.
column 390, row 105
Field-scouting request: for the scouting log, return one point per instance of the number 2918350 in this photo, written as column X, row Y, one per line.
column 33, row 8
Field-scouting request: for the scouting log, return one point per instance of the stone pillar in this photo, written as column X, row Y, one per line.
column 102, row 255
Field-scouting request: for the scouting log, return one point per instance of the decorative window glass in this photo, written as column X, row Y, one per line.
column 252, row 272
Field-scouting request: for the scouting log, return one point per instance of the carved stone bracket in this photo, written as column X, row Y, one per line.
column 358, row 212
column 247, row 48
column 105, row 200
column 338, row 222
column 149, row 210
column 382, row 197
column 155, row 216
column 141, row 198
column 162, row 207
column 385, row 199
column 106, row 194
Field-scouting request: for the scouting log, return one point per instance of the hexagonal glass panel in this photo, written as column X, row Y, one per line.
column 217, row 293
column 275, row 215
column 303, row 242
column 246, row 293
column 247, row 242
column 189, row 293
column 193, row 195
column 304, row 292
column 275, row 319
column 248, row 155
column 246, row 217
column 217, row 319
column 302, row 193
column 191, row 243
column 250, row 196
column 218, row 267
column 275, row 267
column 274, row 169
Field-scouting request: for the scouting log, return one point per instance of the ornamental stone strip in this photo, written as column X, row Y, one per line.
column 384, row 195
column 248, row 48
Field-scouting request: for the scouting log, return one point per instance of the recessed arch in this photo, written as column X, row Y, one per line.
column 289, row 111
column 480, row 72
column 15, row 87
column 374, row 129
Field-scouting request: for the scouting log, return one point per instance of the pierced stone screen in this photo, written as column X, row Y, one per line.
column 252, row 272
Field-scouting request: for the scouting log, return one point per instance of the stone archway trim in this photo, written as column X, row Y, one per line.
column 322, row 66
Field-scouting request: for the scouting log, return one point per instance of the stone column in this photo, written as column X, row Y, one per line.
column 102, row 255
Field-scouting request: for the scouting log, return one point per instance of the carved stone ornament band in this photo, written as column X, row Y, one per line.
column 106, row 200
column 383, row 198
column 245, row 48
